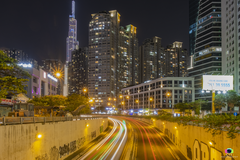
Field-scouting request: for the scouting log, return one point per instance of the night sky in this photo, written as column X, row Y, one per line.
column 40, row 27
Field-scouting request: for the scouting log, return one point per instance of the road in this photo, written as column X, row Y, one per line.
column 149, row 144
column 111, row 146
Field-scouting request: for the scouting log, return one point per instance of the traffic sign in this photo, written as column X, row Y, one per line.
column 235, row 113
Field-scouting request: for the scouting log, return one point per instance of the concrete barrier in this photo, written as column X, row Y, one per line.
column 57, row 141
column 195, row 143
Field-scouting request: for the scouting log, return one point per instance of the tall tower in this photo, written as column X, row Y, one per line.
column 72, row 42
column 207, row 56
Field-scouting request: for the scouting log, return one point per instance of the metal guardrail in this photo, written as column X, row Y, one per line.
column 27, row 120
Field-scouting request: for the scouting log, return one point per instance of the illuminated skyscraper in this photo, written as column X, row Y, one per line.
column 72, row 42
column 207, row 45
column 113, row 58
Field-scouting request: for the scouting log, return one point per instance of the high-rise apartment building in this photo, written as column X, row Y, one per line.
column 207, row 56
column 72, row 42
column 176, row 60
column 78, row 71
column 113, row 58
column 152, row 59
column 231, row 40
column 128, row 58
column 18, row 55
column 102, row 61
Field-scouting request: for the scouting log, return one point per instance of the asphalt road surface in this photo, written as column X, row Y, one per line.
column 150, row 144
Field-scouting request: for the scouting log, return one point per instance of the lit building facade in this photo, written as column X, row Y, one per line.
column 78, row 71
column 152, row 59
column 231, row 41
column 176, row 60
column 193, row 18
column 113, row 58
column 40, row 84
column 161, row 93
column 207, row 56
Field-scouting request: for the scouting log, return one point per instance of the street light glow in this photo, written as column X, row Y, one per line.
column 39, row 136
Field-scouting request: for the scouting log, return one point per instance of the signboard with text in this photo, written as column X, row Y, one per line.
column 222, row 83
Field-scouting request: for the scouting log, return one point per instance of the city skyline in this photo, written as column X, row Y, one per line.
column 50, row 27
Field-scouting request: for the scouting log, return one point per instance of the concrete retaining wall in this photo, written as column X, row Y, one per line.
column 59, row 139
column 193, row 141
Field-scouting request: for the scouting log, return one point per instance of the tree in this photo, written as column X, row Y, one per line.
column 220, row 101
column 12, row 77
column 50, row 100
column 75, row 100
column 182, row 107
column 86, row 110
column 197, row 105
column 231, row 99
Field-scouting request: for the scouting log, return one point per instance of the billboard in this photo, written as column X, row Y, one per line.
column 222, row 83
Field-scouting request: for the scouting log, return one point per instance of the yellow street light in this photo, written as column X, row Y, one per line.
column 175, row 127
column 109, row 104
column 90, row 100
column 84, row 90
column 39, row 136
column 58, row 74
column 87, row 125
column 114, row 99
column 127, row 97
column 168, row 94
column 109, row 99
column 151, row 99
column 120, row 96
column 137, row 101
column 122, row 103
column 113, row 106
column 162, row 122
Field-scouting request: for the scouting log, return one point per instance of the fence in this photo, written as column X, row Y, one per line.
column 25, row 120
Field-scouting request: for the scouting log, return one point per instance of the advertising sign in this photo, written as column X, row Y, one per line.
column 222, row 83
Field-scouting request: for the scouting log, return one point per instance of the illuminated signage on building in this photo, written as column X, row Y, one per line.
column 222, row 83
column 44, row 75
column 53, row 78
column 25, row 65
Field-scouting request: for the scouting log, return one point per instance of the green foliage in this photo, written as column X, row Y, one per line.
column 12, row 77
column 182, row 106
column 196, row 106
column 75, row 100
column 85, row 110
column 49, row 101
column 220, row 101
column 231, row 98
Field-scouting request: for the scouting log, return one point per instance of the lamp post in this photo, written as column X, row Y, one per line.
column 213, row 98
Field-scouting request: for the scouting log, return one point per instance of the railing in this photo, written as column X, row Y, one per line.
column 25, row 120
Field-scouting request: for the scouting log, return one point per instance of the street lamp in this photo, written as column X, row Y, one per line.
column 127, row 97
column 58, row 74
column 120, row 96
column 109, row 99
column 137, row 101
column 151, row 99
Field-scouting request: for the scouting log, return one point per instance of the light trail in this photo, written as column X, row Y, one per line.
column 106, row 148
